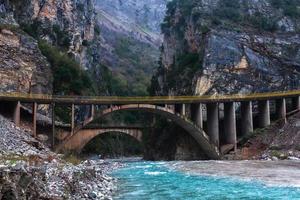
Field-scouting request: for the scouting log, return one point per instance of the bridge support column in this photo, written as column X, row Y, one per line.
column 53, row 124
column 296, row 103
column 246, row 118
column 264, row 113
column 180, row 108
column 73, row 119
column 34, row 113
column 197, row 114
column 92, row 110
column 230, row 123
column 17, row 113
column 213, row 122
column 183, row 109
column 281, row 108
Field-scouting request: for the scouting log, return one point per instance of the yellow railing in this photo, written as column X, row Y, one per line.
column 148, row 99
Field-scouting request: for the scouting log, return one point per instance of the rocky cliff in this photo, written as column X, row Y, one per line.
column 66, row 24
column 229, row 46
column 129, row 42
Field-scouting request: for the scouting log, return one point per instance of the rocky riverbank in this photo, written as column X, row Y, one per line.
column 29, row 170
column 280, row 141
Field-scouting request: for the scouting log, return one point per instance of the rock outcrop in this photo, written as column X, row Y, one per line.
column 230, row 47
column 22, row 67
column 29, row 170
column 129, row 42
column 67, row 23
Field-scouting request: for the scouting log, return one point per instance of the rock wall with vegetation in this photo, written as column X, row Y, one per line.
column 229, row 46
column 129, row 43
column 43, row 45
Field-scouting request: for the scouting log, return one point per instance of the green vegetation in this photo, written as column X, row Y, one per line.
column 62, row 37
column 229, row 9
column 290, row 8
column 137, row 60
column 32, row 29
column 229, row 13
column 72, row 158
column 69, row 79
column 9, row 27
column 97, row 29
column 261, row 22
column 185, row 67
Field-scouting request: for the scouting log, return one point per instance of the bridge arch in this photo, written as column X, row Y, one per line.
column 197, row 133
column 79, row 140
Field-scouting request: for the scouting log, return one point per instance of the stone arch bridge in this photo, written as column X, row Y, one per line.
column 175, row 109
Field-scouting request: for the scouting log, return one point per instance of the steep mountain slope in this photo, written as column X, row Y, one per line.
column 64, row 24
column 229, row 46
column 129, row 42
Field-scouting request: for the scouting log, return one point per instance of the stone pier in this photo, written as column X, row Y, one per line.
column 17, row 113
column 34, row 113
column 246, row 118
column 230, row 123
column 180, row 108
column 213, row 123
column 197, row 114
column 264, row 113
column 281, row 108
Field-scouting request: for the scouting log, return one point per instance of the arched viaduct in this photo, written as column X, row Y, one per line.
column 174, row 108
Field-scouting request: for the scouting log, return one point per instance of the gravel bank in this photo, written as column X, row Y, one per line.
column 29, row 170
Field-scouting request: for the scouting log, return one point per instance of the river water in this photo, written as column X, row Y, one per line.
column 213, row 180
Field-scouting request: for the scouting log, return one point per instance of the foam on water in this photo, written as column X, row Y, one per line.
column 209, row 180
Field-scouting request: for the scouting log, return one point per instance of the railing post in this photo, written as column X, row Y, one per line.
column 53, row 124
column 34, row 113
column 296, row 103
column 281, row 108
column 73, row 119
column 246, row 118
column 264, row 113
column 213, row 123
column 17, row 113
column 197, row 114
column 230, row 123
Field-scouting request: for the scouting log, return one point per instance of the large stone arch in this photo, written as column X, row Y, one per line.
column 197, row 133
column 77, row 141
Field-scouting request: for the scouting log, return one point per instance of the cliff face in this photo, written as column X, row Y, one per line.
column 22, row 66
column 129, row 41
column 68, row 24
column 229, row 47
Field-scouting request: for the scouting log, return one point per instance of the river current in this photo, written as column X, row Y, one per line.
column 212, row 180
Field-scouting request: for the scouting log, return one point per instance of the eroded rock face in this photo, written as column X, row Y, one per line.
column 68, row 24
column 233, row 56
column 22, row 66
column 54, row 19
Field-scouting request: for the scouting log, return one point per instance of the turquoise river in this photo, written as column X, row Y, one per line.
column 214, row 180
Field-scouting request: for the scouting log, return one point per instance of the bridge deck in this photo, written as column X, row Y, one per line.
column 106, row 100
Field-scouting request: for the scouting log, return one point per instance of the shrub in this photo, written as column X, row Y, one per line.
column 62, row 37
column 229, row 9
column 68, row 76
column 262, row 23
column 32, row 29
column 97, row 29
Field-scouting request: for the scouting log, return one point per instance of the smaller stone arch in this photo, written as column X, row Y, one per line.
column 77, row 141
